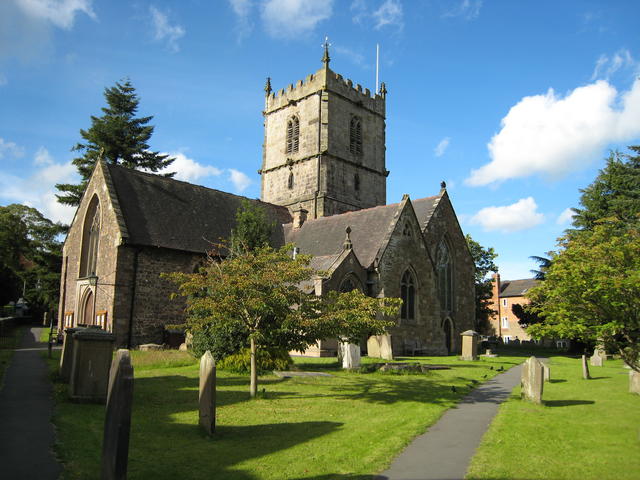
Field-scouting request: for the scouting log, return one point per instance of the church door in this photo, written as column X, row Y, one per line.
column 447, row 335
column 88, row 309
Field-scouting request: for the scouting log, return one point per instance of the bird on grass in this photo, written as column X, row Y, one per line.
column 491, row 367
column 475, row 381
column 453, row 389
column 484, row 376
column 501, row 368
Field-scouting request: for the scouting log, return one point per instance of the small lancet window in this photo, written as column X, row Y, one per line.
column 293, row 135
column 445, row 276
column 355, row 136
column 406, row 231
column 290, row 181
column 356, row 182
column 408, row 296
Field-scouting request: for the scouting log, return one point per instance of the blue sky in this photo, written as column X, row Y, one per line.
column 514, row 104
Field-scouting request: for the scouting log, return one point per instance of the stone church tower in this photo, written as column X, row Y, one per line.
column 324, row 145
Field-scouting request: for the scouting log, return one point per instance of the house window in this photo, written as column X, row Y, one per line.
column 445, row 276
column 293, row 135
column 505, row 322
column 355, row 136
column 408, row 296
column 504, row 302
column 90, row 239
column 506, row 338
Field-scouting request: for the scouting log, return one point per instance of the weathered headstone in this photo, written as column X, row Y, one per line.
column 532, row 380
column 597, row 359
column 546, row 371
column 585, row 368
column 380, row 346
column 92, row 352
column 470, row 345
column 207, row 393
column 634, row 382
column 117, row 420
column 350, row 355
column 66, row 359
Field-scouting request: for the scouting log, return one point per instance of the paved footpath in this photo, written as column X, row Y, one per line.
column 444, row 451
column 26, row 432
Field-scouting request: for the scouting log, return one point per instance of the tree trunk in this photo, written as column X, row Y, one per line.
column 253, row 388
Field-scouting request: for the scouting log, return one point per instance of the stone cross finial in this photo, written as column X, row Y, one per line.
column 267, row 87
column 383, row 90
column 348, row 244
column 325, row 58
column 443, row 185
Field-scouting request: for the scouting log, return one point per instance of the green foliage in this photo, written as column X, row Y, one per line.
column 118, row 137
column 527, row 314
column 252, row 230
column 258, row 290
column 267, row 359
column 614, row 193
column 483, row 259
column 221, row 340
column 592, row 290
column 30, row 254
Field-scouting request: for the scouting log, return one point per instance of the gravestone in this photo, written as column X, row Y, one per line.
column 92, row 351
column 66, row 358
column 546, row 371
column 532, row 380
column 117, row 420
column 585, row 368
column 207, row 393
column 350, row 355
column 470, row 345
column 634, row 382
column 598, row 358
column 380, row 346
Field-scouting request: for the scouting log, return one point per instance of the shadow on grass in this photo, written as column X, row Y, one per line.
column 567, row 403
column 557, row 380
column 598, row 378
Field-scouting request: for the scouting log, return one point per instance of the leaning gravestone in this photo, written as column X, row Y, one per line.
column 532, row 380
column 596, row 359
column 546, row 371
column 350, row 355
column 634, row 382
column 207, row 393
column 117, row 420
column 585, row 368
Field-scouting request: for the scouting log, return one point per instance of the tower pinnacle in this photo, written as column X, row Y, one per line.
column 326, row 58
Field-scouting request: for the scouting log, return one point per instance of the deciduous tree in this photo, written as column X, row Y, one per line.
column 483, row 259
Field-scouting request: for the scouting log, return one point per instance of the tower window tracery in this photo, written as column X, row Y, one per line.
column 355, row 136
column 293, row 135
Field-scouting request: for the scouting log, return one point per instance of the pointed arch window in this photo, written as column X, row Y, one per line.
column 90, row 239
column 445, row 276
column 356, row 182
column 355, row 136
column 290, row 181
column 293, row 135
column 408, row 296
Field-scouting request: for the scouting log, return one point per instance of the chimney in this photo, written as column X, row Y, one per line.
column 495, row 299
column 299, row 217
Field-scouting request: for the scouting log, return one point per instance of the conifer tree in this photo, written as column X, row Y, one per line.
column 117, row 137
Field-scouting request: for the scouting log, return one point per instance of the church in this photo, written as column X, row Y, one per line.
column 323, row 184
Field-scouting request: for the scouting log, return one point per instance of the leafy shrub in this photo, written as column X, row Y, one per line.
column 267, row 360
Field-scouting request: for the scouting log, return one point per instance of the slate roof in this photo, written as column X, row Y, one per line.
column 369, row 229
column 516, row 288
column 163, row 212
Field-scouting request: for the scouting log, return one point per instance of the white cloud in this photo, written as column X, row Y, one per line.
column 240, row 180
column 188, row 169
column 38, row 190
column 164, row 31
column 521, row 215
column 442, row 146
column 290, row 18
column 565, row 217
column 43, row 157
column 10, row 149
column 553, row 135
column 607, row 66
column 61, row 13
column 242, row 9
column 355, row 57
column 389, row 13
column 467, row 9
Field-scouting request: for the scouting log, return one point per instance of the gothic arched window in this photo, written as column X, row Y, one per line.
column 445, row 276
column 90, row 239
column 408, row 296
column 293, row 135
column 355, row 136
column 290, row 181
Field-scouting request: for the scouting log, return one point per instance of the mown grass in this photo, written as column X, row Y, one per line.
column 349, row 425
column 586, row 429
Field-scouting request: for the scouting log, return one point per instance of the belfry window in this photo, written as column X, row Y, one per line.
column 290, row 181
column 408, row 296
column 355, row 136
column 445, row 276
column 90, row 239
column 293, row 135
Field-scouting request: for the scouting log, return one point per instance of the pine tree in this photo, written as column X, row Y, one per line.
column 117, row 137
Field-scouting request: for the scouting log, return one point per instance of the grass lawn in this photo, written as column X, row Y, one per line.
column 586, row 429
column 347, row 426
